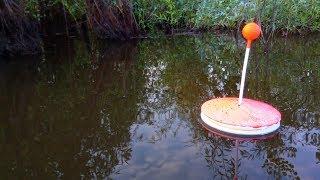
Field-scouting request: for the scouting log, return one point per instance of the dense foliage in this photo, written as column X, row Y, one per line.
column 289, row 15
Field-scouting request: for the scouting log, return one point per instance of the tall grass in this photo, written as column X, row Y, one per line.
column 18, row 32
column 112, row 19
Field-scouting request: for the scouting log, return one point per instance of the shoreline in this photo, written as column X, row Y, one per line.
column 159, row 34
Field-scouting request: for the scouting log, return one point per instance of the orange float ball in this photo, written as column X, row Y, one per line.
column 251, row 31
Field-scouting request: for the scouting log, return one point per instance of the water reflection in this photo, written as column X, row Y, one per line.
column 131, row 110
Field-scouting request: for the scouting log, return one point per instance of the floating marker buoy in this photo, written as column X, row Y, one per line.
column 244, row 117
column 251, row 118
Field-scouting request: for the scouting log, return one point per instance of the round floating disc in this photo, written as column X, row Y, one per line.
column 251, row 118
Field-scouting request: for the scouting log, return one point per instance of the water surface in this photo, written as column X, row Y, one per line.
column 132, row 110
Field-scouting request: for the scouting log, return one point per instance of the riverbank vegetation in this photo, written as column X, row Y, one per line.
column 25, row 23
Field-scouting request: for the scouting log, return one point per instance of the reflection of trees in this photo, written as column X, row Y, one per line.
column 182, row 83
column 291, row 84
column 276, row 153
column 223, row 63
column 318, row 156
column 78, row 118
column 289, row 81
column 177, row 84
column 74, row 120
column 188, row 82
column 219, row 157
column 292, row 72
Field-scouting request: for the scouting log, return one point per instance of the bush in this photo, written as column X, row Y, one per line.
column 289, row 15
column 171, row 13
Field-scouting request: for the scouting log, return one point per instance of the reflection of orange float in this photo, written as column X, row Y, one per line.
column 237, row 115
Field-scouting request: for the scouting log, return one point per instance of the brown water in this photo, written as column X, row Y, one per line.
column 131, row 110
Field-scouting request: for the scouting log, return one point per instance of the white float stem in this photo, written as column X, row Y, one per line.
column 243, row 76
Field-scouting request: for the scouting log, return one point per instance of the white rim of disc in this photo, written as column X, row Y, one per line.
column 239, row 130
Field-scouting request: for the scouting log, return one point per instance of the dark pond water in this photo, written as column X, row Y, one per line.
column 132, row 110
